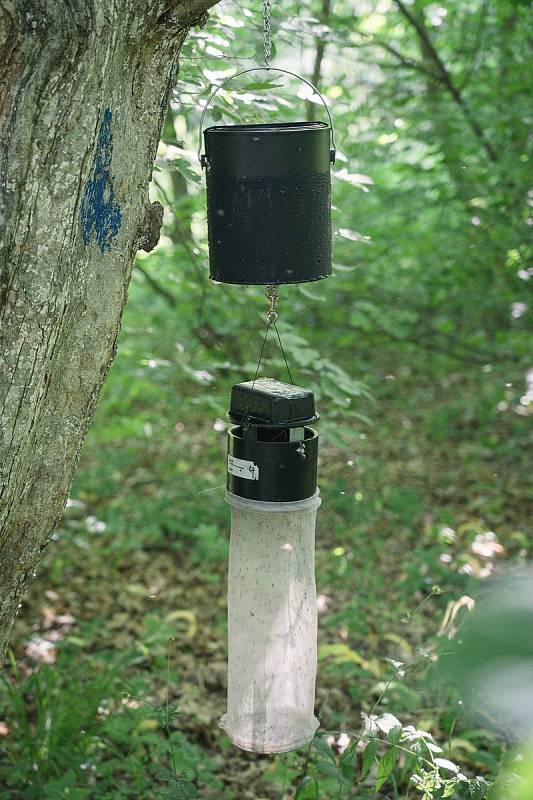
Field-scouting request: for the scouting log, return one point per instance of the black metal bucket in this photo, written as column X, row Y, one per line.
column 269, row 202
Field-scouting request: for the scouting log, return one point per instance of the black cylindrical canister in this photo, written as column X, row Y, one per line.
column 272, row 453
column 269, row 202
column 262, row 465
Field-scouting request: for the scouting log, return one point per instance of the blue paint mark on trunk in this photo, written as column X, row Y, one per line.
column 100, row 212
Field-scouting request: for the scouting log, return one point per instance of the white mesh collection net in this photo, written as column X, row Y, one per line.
column 272, row 625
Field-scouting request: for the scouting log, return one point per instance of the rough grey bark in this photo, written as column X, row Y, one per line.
column 85, row 84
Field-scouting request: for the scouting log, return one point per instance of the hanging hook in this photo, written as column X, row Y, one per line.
column 273, row 297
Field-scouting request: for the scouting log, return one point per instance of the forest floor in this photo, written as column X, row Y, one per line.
column 127, row 613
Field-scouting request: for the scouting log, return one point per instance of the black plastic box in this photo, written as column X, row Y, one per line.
column 272, row 403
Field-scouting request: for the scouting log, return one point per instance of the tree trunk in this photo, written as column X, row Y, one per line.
column 85, row 85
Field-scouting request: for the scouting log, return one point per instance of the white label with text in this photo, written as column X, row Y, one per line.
column 243, row 469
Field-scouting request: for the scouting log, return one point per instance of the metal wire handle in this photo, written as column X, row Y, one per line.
column 203, row 158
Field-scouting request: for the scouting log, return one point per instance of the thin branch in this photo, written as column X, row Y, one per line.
column 405, row 61
column 471, row 66
column 169, row 298
column 445, row 77
column 426, row 342
column 319, row 56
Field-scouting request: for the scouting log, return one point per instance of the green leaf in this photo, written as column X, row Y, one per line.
column 306, row 782
column 369, row 756
column 259, row 85
column 183, row 789
column 385, row 767
column 332, row 771
column 449, row 790
column 176, row 142
column 64, row 787
column 314, row 296
column 348, row 756
column 322, row 747
column 343, row 268
column 395, row 735
column 184, row 166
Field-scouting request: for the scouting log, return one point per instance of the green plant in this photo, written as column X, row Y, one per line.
column 57, row 729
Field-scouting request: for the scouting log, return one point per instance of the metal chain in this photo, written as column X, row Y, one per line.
column 267, row 32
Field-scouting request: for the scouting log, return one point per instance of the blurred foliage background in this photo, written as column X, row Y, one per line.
column 418, row 351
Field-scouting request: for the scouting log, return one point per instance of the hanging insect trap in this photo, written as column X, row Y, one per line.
column 272, row 616
column 269, row 223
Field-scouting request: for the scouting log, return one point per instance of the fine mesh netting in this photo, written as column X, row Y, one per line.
column 272, row 625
